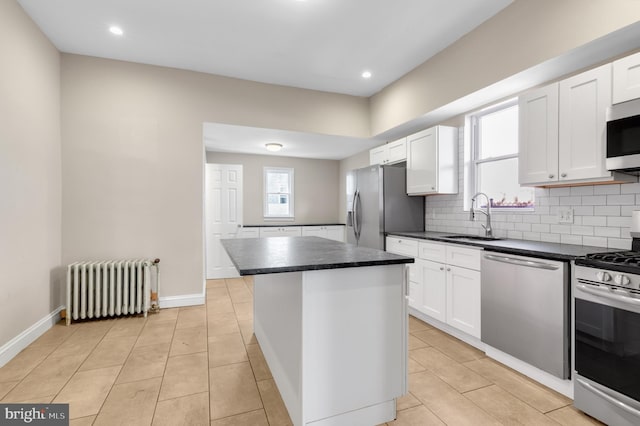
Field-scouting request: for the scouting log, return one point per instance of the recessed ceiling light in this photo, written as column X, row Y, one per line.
column 273, row 147
column 116, row 30
column 366, row 74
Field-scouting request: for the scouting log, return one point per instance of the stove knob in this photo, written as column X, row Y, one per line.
column 621, row 279
column 603, row 276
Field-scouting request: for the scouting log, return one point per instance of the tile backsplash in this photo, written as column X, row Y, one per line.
column 601, row 214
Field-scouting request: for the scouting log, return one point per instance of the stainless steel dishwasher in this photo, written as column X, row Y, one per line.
column 525, row 309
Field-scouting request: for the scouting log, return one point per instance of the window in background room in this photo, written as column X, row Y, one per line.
column 494, row 162
column 278, row 193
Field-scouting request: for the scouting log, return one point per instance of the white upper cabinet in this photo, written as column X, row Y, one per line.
column 562, row 131
column 626, row 79
column 538, row 135
column 432, row 161
column 390, row 153
column 584, row 100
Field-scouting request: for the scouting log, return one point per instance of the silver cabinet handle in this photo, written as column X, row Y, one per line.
column 551, row 176
column 563, row 175
column 608, row 294
column 442, row 268
column 601, row 393
column 448, row 269
column 520, row 262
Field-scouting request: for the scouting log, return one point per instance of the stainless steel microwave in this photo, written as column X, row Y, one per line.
column 623, row 136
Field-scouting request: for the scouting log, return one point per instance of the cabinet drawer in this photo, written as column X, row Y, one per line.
column 463, row 257
column 432, row 251
column 402, row 246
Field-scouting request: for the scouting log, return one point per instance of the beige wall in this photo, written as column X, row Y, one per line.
column 315, row 186
column 523, row 35
column 30, row 211
column 133, row 155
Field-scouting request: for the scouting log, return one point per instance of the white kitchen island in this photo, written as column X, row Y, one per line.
column 331, row 320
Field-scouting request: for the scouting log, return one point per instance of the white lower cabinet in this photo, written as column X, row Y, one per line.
column 333, row 232
column 463, row 299
column 284, row 231
column 250, row 232
column 444, row 283
column 433, row 289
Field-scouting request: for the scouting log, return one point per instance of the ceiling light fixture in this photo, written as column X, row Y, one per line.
column 273, row 147
column 366, row 74
column 116, row 30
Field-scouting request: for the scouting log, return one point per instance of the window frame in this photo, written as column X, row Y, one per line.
column 265, row 194
column 473, row 142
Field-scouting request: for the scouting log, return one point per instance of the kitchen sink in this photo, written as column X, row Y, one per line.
column 471, row 237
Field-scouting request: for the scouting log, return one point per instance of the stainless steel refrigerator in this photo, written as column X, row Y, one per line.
column 377, row 202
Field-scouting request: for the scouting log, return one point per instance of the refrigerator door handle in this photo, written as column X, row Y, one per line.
column 357, row 225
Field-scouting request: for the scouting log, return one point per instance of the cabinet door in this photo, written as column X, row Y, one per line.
column 291, row 231
column 402, row 246
column 584, row 100
column 463, row 299
column 538, row 136
column 378, row 155
column 314, row 231
column 397, row 151
column 415, row 295
column 465, row 257
column 435, row 252
column 269, row 232
column 422, row 162
column 334, row 233
column 626, row 79
column 249, row 233
column 434, row 289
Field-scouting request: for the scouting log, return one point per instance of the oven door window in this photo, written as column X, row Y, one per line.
column 608, row 346
column 623, row 137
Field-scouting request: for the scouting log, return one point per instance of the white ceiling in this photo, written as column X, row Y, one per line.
column 315, row 44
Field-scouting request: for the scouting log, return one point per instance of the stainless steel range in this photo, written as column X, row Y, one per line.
column 607, row 336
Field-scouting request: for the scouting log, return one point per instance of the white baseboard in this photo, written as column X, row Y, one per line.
column 28, row 336
column 182, row 300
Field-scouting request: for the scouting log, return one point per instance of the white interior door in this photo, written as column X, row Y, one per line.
column 223, row 215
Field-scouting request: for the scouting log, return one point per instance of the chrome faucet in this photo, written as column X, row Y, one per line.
column 488, row 232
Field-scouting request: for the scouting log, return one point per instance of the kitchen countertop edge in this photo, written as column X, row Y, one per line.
column 537, row 249
column 256, row 256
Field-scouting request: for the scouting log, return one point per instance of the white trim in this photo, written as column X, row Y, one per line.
column 28, row 336
column 182, row 300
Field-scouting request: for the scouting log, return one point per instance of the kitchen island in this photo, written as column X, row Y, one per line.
column 331, row 320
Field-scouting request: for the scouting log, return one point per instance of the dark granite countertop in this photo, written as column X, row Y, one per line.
column 268, row 225
column 253, row 256
column 539, row 249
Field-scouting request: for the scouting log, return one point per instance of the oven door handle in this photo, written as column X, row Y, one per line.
column 602, row 394
column 608, row 295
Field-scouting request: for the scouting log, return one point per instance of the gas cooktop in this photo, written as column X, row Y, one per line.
column 624, row 261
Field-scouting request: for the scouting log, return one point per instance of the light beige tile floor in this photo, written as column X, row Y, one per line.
column 203, row 366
